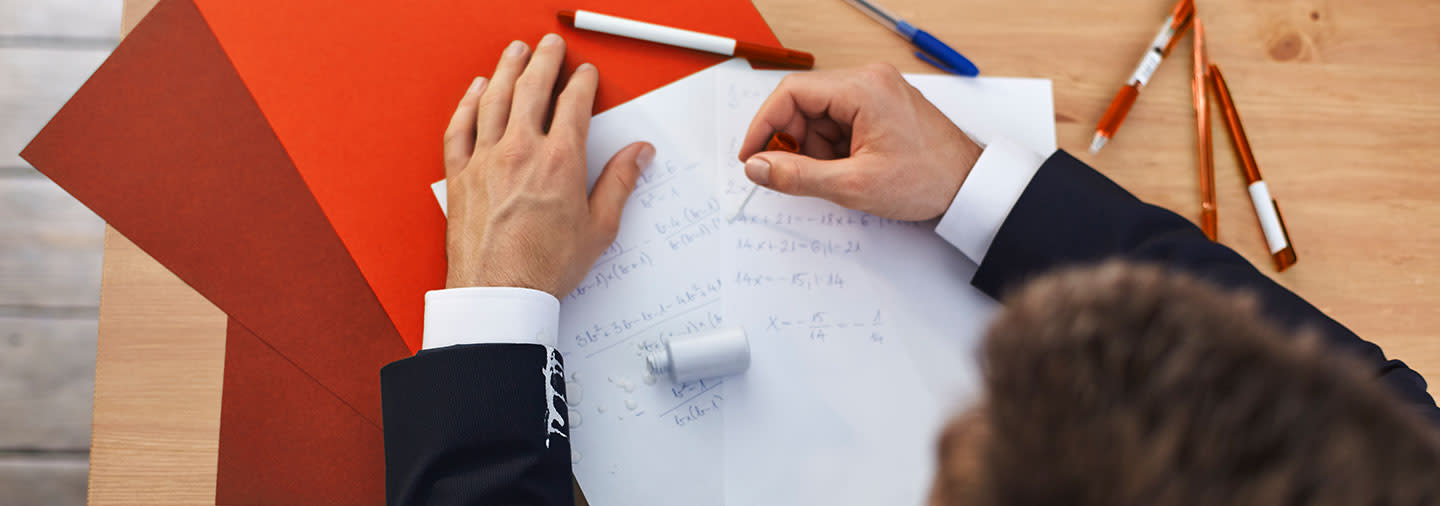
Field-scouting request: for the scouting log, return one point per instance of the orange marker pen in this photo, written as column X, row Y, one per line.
column 1200, row 86
column 1160, row 47
column 1276, row 237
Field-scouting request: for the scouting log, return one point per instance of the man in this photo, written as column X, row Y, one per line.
column 460, row 416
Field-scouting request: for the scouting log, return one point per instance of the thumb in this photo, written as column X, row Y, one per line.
column 801, row 175
column 613, row 187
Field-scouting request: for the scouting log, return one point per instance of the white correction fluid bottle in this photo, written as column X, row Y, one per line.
column 722, row 352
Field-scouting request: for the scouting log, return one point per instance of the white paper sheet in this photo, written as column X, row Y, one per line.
column 862, row 330
column 639, row 440
column 818, row 415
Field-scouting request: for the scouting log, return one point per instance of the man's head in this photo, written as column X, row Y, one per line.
column 1125, row 384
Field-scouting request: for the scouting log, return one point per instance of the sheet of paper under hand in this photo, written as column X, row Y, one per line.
column 639, row 439
column 862, row 329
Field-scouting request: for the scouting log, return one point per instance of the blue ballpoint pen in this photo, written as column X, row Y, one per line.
column 931, row 50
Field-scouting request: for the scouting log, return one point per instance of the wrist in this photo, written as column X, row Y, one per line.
column 969, row 154
column 482, row 276
column 960, row 162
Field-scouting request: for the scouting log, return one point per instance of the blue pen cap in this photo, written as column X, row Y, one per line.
column 940, row 55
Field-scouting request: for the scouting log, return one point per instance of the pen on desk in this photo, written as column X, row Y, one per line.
column 781, row 141
column 1199, row 86
column 932, row 51
column 758, row 53
column 1159, row 47
column 1276, row 237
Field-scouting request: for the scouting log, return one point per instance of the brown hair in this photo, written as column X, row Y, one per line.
column 1130, row 385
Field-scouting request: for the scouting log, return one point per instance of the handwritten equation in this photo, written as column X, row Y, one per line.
column 601, row 337
column 822, row 325
column 830, row 219
column 800, row 280
column 690, row 224
column 611, row 271
column 659, row 176
column 692, row 323
column 820, row 247
column 698, row 400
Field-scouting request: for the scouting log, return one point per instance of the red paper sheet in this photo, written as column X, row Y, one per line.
column 359, row 93
column 165, row 143
column 285, row 439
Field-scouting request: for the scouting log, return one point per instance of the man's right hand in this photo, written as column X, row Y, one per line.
column 868, row 141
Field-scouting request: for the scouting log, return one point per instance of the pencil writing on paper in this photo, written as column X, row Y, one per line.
column 780, row 141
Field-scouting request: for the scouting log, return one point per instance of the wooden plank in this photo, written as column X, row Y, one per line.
column 47, row 374
column 90, row 19
column 42, row 480
column 157, row 386
column 34, row 83
column 137, row 455
column 133, row 11
column 50, row 248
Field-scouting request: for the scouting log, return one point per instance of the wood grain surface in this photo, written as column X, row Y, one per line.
column 1337, row 97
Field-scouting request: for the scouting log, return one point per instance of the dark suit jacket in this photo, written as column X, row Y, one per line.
column 469, row 424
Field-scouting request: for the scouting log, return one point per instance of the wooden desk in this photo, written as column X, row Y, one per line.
column 1338, row 98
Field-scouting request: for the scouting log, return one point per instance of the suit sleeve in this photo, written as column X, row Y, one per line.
column 477, row 424
column 1069, row 214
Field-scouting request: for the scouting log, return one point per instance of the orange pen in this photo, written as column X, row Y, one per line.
column 1199, row 86
column 1160, row 47
column 1276, row 237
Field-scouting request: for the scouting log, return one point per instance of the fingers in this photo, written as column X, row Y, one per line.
column 575, row 105
column 536, row 85
column 460, row 135
column 833, row 180
column 613, row 188
column 494, row 109
column 818, row 147
column 825, row 94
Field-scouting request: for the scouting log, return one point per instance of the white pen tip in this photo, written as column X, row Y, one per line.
column 1097, row 143
column 740, row 210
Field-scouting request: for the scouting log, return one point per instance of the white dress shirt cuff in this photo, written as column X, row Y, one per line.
column 986, row 197
column 479, row 315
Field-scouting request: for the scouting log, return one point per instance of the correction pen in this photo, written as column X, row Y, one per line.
column 724, row 352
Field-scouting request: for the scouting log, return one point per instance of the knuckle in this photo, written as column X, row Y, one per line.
column 452, row 137
column 531, row 79
column 456, row 160
column 789, row 81
column 515, row 152
column 879, row 75
column 489, row 99
column 558, row 151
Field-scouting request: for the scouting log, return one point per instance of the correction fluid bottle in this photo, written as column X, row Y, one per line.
column 723, row 352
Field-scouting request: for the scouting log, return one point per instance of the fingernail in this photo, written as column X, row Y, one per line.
column 476, row 85
column 645, row 157
column 515, row 48
column 549, row 39
column 758, row 170
column 585, row 66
